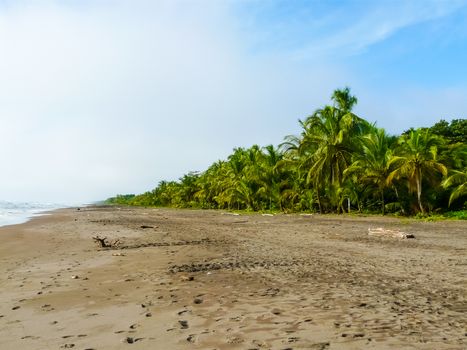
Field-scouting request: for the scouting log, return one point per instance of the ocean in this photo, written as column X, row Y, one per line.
column 12, row 213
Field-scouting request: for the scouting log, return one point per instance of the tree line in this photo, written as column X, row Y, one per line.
column 339, row 163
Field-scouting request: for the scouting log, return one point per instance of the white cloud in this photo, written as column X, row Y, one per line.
column 357, row 30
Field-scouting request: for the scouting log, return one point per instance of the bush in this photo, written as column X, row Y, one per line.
column 460, row 214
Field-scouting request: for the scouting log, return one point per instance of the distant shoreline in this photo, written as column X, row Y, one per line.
column 20, row 213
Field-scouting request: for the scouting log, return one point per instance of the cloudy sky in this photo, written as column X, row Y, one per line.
column 99, row 97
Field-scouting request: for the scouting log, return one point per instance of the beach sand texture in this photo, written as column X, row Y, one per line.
column 190, row 279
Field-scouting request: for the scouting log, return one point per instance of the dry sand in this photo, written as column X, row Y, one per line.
column 211, row 280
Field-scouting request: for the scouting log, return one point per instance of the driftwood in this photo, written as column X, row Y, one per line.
column 382, row 232
column 104, row 243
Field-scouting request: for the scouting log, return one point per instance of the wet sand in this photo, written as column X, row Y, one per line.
column 186, row 279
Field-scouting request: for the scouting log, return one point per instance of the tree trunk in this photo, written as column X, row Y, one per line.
column 419, row 191
column 348, row 205
column 398, row 198
column 382, row 203
column 319, row 203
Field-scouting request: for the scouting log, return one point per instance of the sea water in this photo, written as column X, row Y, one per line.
column 12, row 213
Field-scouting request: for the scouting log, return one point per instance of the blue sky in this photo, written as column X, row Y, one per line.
column 103, row 97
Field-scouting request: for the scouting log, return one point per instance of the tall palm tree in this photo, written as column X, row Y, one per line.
column 270, row 176
column 417, row 160
column 330, row 132
column 372, row 163
column 299, row 158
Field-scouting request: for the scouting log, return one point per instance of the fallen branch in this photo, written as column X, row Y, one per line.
column 389, row 233
column 104, row 243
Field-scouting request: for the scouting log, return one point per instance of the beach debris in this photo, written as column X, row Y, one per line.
column 120, row 246
column 267, row 214
column 74, row 277
column 235, row 214
column 186, row 278
column 198, row 301
column 118, row 254
column 146, row 226
column 104, row 243
column 240, row 222
column 320, row 346
column 379, row 231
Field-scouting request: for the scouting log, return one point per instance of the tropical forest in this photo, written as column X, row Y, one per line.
column 339, row 163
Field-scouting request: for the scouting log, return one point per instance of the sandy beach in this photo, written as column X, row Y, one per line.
column 188, row 279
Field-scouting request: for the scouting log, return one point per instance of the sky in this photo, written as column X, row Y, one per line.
column 103, row 97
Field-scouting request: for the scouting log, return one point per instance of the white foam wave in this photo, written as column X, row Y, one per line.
column 12, row 213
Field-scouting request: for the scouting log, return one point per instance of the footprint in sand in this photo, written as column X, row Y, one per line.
column 182, row 312
column 131, row 340
column 183, row 324
column 30, row 337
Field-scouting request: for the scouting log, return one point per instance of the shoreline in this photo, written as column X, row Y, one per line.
column 202, row 280
column 26, row 214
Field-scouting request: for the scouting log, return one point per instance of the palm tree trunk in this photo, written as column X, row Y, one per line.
column 382, row 202
column 398, row 198
column 319, row 203
column 419, row 191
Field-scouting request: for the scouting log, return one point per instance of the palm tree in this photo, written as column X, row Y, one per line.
column 269, row 176
column 330, row 133
column 344, row 100
column 458, row 178
column 417, row 159
column 299, row 154
column 372, row 163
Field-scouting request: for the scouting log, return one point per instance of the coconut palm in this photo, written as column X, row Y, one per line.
column 372, row 163
column 344, row 100
column 459, row 180
column 330, row 133
column 417, row 160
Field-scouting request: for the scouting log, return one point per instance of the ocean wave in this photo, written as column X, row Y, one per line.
column 12, row 213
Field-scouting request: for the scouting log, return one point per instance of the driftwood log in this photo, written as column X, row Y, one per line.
column 104, row 243
column 382, row 232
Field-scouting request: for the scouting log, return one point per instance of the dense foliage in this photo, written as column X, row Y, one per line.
column 339, row 163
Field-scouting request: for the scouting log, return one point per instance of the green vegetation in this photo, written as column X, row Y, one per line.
column 339, row 163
